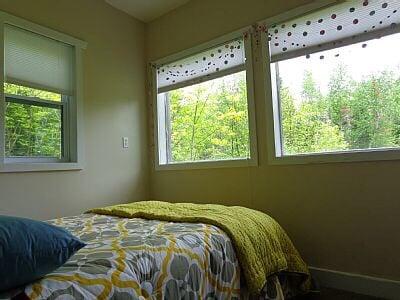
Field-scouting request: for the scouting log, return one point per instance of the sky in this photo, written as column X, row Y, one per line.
column 378, row 55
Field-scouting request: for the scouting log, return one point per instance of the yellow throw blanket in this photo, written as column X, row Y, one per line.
column 262, row 246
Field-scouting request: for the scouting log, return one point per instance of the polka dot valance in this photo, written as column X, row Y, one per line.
column 215, row 62
column 333, row 27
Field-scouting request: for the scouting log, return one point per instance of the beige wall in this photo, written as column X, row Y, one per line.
column 341, row 216
column 114, row 100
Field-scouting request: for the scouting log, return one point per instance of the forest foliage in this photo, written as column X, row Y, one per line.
column 210, row 121
column 32, row 130
column 352, row 115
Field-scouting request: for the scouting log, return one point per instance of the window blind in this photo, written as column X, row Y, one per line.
column 215, row 62
column 332, row 27
column 37, row 61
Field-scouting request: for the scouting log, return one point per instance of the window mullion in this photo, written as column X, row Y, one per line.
column 161, row 130
column 251, row 106
column 32, row 101
column 168, row 128
column 278, row 117
column 65, row 132
column 2, row 97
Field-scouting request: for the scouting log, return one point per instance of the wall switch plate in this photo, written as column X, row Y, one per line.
column 125, row 142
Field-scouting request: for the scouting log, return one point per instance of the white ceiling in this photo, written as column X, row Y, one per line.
column 146, row 10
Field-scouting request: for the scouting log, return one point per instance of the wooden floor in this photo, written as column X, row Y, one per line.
column 329, row 294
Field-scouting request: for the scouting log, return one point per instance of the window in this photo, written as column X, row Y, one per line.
column 41, row 90
column 204, row 108
column 336, row 80
column 34, row 123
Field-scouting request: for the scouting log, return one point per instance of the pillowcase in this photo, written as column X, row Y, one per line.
column 31, row 249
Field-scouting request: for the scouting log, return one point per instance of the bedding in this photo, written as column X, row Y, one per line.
column 143, row 259
column 132, row 257
column 263, row 247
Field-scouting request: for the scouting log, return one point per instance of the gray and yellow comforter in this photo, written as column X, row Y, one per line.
column 137, row 251
column 143, row 259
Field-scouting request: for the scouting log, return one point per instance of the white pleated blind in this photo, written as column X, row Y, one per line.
column 212, row 63
column 37, row 61
column 334, row 26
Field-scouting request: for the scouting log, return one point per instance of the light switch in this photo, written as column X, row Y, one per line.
column 125, row 142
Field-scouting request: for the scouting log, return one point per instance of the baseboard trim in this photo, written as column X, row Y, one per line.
column 361, row 284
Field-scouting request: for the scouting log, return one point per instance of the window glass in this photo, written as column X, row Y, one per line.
column 20, row 90
column 209, row 121
column 341, row 99
column 336, row 79
column 33, row 127
column 203, row 105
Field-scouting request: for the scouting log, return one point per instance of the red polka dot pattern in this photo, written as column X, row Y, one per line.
column 204, row 64
column 330, row 27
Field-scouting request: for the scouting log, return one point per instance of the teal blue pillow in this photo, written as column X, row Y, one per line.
column 31, row 249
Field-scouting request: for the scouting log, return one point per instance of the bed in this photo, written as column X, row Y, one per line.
column 136, row 258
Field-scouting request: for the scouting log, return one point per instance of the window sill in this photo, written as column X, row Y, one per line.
column 216, row 164
column 39, row 167
column 338, row 157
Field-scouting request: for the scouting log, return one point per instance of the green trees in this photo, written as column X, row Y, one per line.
column 306, row 127
column 210, row 120
column 375, row 108
column 353, row 115
column 32, row 130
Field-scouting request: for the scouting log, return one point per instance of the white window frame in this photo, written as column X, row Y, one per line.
column 73, row 151
column 159, row 134
column 274, row 136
